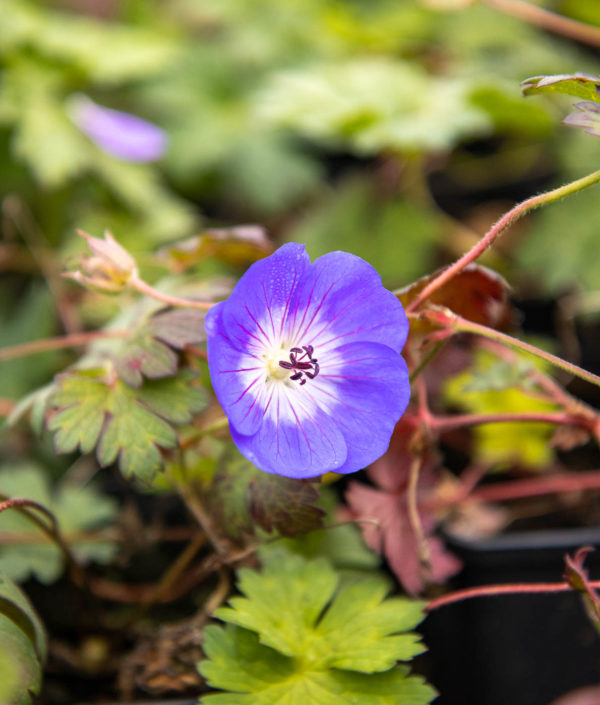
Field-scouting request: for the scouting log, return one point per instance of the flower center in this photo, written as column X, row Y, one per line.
column 302, row 367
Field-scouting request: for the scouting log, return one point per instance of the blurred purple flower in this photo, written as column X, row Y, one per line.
column 120, row 134
column 305, row 361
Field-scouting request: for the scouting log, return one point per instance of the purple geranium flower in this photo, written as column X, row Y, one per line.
column 120, row 134
column 305, row 360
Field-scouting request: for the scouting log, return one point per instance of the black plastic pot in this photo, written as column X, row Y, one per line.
column 514, row 649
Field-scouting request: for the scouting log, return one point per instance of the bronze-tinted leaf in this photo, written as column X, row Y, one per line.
column 477, row 293
column 239, row 246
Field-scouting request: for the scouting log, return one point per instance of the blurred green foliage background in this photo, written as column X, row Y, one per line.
column 387, row 128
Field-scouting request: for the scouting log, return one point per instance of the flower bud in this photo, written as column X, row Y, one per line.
column 108, row 269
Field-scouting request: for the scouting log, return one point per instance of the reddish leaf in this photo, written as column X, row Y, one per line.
column 476, row 293
column 577, row 577
column 394, row 535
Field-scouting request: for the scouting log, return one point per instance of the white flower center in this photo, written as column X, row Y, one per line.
column 271, row 360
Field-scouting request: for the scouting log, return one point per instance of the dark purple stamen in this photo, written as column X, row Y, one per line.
column 301, row 367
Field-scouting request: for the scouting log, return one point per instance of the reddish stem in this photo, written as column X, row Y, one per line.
column 552, row 484
column 508, row 589
column 451, row 321
column 449, row 423
column 516, row 489
column 74, row 340
column 497, row 229
column 548, row 20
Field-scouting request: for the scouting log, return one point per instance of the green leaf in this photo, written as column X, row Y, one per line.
column 9, row 679
column 31, row 317
column 175, row 399
column 95, row 410
column 105, row 52
column 490, row 387
column 261, row 676
column 44, row 138
column 373, row 105
column 77, row 510
column 22, row 645
column 510, row 113
column 297, row 608
column 148, row 351
column 300, row 639
column 580, row 85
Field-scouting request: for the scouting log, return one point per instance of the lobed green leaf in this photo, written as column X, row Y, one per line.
column 121, row 422
column 258, row 675
column 298, row 608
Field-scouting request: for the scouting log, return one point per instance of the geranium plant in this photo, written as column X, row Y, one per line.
column 240, row 476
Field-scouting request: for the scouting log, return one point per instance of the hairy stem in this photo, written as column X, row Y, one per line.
column 143, row 287
column 449, row 423
column 515, row 489
column 489, row 238
column 458, row 324
column 506, row 589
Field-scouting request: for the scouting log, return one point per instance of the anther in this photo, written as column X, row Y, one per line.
column 301, row 367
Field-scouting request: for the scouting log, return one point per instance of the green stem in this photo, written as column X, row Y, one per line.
column 448, row 319
column 425, row 361
column 489, row 238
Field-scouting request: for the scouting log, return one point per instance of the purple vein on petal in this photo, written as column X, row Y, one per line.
column 319, row 307
column 240, row 369
column 251, row 406
column 268, row 402
column 331, row 321
column 323, row 343
column 337, row 399
column 246, row 345
column 254, row 381
column 268, row 308
column 301, row 427
column 294, row 330
column 306, row 410
column 287, row 304
column 260, row 328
